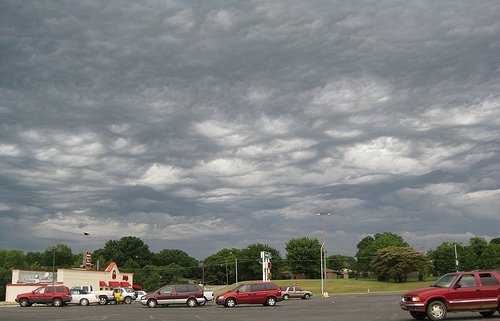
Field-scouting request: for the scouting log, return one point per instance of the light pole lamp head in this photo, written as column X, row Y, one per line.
column 323, row 214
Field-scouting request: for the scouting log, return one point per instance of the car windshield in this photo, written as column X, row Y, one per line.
column 445, row 281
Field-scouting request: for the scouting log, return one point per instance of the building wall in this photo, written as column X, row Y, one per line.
column 72, row 277
column 68, row 277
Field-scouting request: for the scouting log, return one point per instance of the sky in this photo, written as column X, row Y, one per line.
column 211, row 124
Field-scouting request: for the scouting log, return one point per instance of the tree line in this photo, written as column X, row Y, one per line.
column 385, row 256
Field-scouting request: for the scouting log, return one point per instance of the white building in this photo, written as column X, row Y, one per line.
column 27, row 281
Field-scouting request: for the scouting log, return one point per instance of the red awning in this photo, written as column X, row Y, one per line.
column 125, row 284
column 114, row 283
column 102, row 283
column 136, row 287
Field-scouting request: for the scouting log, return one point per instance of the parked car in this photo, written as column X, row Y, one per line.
column 461, row 291
column 127, row 295
column 51, row 295
column 105, row 296
column 83, row 297
column 266, row 293
column 189, row 294
column 208, row 295
column 288, row 292
column 139, row 295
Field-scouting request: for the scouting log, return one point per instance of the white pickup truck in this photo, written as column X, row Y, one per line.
column 105, row 296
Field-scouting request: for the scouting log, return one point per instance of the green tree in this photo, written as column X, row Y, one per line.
column 365, row 254
column 34, row 260
column 443, row 258
column 127, row 248
column 61, row 255
column 130, row 265
column 478, row 245
column 304, row 256
column 170, row 256
column 217, row 267
column 250, row 262
column 149, row 277
column 495, row 240
column 172, row 273
column 339, row 262
column 368, row 247
column 396, row 262
column 490, row 257
column 9, row 259
column 468, row 258
column 12, row 259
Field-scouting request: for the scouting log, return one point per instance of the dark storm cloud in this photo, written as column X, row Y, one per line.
column 237, row 121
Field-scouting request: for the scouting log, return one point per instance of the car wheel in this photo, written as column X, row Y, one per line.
column 84, row 302
column 152, row 303
column 57, row 302
column 103, row 300
column 271, row 301
column 418, row 315
column 286, row 297
column 436, row 311
column 230, row 303
column 307, row 296
column 128, row 300
column 191, row 302
column 487, row 313
column 24, row 303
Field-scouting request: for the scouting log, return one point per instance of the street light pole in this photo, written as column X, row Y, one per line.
column 227, row 275
column 53, row 265
column 321, row 269
column 235, row 265
column 323, row 254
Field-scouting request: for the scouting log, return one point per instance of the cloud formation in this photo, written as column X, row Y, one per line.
column 217, row 124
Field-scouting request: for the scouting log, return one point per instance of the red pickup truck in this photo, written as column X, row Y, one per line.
column 461, row 291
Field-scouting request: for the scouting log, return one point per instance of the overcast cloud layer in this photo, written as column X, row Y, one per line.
column 201, row 125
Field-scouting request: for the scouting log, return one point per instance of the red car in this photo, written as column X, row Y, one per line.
column 266, row 293
column 51, row 295
column 462, row 291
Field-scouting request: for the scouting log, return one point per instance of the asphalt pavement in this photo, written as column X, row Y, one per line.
column 369, row 307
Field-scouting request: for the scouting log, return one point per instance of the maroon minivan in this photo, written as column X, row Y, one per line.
column 188, row 294
column 266, row 293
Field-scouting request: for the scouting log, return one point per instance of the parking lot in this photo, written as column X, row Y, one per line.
column 369, row 307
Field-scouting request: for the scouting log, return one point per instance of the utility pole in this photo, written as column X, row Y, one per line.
column 321, row 269
column 235, row 265
column 53, row 265
column 227, row 275
column 323, row 255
